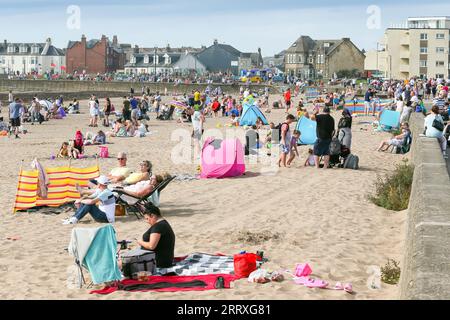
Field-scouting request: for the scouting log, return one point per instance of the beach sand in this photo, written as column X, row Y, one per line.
column 322, row 217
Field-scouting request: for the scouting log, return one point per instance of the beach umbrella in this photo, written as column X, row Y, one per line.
column 178, row 104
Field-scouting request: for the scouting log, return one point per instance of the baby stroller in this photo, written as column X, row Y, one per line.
column 338, row 153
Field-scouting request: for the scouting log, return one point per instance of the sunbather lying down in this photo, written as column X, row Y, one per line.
column 140, row 189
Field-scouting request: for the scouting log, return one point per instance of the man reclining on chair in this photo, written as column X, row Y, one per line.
column 104, row 213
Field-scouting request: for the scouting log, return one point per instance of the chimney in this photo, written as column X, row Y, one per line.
column 216, row 42
column 115, row 42
column 49, row 41
column 5, row 42
column 136, row 49
column 83, row 39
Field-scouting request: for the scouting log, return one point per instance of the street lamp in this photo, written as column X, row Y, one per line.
column 154, row 61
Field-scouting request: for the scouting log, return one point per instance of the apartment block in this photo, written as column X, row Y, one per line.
column 419, row 48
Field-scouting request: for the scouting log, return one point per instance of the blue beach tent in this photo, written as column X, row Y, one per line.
column 307, row 128
column 250, row 115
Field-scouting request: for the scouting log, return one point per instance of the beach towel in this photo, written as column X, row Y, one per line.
column 390, row 118
column 359, row 107
column 43, row 180
column 307, row 128
column 61, row 186
column 95, row 249
column 201, row 264
column 171, row 284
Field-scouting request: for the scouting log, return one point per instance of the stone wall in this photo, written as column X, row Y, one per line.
column 113, row 88
column 426, row 266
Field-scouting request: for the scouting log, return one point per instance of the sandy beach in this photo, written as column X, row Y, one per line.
column 322, row 217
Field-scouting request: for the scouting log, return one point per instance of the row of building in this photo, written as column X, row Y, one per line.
column 421, row 47
column 305, row 58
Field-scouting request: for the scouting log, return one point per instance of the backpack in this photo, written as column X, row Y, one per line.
column 278, row 128
column 138, row 260
column 335, row 147
column 351, row 162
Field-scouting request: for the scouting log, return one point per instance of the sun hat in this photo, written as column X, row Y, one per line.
column 103, row 180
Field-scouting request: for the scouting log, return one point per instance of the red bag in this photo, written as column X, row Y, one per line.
column 244, row 264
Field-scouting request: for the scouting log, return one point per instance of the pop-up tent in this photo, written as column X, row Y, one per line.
column 307, row 128
column 250, row 115
column 222, row 158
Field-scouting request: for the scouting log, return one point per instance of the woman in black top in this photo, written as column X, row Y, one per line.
column 345, row 129
column 160, row 238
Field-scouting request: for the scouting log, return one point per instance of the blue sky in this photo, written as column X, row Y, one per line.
column 246, row 24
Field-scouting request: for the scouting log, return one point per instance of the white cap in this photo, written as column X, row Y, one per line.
column 103, row 180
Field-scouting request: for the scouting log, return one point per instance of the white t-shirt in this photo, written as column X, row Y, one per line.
column 107, row 203
column 399, row 106
column 196, row 121
column 93, row 108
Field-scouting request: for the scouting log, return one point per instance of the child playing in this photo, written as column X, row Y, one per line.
column 74, row 153
column 234, row 120
column 310, row 161
column 64, row 151
column 294, row 149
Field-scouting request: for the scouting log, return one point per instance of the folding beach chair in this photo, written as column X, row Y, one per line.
column 135, row 204
column 95, row 250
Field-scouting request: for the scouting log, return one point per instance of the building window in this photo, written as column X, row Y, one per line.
column 439, row 76
column 423, row 63
column 423, row 36
column 440, row 50
column 424, row 50
column 299, row 58
column 440, row 63
column 440, row 36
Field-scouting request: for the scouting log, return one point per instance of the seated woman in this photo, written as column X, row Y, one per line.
column 74, row 153
column 396, row 141
column 159, row 238
column 104, row 212
column 432, row 132
column 131, row 128
column 119, row 129
column 145, row 173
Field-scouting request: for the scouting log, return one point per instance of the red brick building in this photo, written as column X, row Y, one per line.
column 94, row 56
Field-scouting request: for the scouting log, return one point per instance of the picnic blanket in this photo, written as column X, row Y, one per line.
column 201, row 264
column 172, row 284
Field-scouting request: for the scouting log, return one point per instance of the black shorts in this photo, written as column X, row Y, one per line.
column 288, row 103
column 322, row 147
column 15, row 122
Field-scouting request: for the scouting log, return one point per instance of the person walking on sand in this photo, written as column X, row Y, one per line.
column 287, row 99
column 14, row 116
column 93, row 111
column 285, row 140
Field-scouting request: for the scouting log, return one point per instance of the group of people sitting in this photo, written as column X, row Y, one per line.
column 99, row 200
column 100, row 191
column 74, row 149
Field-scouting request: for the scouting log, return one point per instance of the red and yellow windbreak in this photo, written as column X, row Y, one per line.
column 60, row 190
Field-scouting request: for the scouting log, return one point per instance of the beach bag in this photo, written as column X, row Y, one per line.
column 438, row 125
column 120, row 210
column 244, row 264
column 104, row 153
column 351, row 162
column 138, row 260
column 335, row 147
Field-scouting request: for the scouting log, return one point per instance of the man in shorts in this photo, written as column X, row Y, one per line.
column 14, row 116
column 325, row 132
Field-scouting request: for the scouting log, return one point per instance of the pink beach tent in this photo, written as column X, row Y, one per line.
column 222, row 159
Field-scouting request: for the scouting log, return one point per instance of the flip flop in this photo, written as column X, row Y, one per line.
column 338, row 286
column 317, row 283
column 348, row 288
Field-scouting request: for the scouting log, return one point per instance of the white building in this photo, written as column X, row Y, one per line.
column 421, row 47
column 31, row 57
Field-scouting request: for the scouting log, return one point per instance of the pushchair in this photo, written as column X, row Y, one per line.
column 166, row 115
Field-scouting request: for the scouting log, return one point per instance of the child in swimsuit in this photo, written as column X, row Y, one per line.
column 310, row 161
